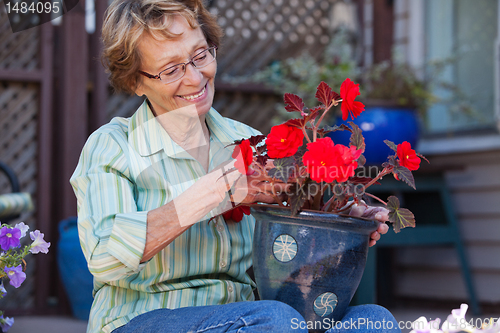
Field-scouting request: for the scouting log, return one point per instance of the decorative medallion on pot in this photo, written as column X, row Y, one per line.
column 325, row 304
column 284, row 248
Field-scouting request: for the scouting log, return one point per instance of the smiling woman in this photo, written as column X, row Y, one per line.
column 144, row 183
column 160, row 55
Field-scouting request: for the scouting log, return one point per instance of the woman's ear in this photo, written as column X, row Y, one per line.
column 138, row 90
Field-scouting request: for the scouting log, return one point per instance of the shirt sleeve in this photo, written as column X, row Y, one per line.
column 112, row 232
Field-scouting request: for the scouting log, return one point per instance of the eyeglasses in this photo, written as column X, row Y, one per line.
column 176, row 72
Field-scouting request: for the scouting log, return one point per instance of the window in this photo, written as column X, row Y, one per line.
column 465, row 31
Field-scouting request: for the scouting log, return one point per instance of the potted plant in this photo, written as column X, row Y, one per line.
column 306, row 253
column 12, row 264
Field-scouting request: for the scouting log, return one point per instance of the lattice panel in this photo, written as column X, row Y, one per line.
column 18, row 148
column 18, row 50
column 259, row 31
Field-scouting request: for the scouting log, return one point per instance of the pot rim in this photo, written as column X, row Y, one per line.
column 314, row 218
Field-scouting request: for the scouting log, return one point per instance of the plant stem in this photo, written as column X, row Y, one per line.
column 376, row 198
column 315, row 129
column 385, row 171
column 317, row 199
column 329, row 202
column 276, row 196
column 305, row 134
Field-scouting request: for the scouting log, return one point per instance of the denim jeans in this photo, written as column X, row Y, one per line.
column 257, row 316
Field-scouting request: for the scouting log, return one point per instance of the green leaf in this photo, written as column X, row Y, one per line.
column 391, row 162
column 361, row 160
column 283, row 167
column 400, row 217
column 299, row 155
column 357, row 139
column 404, row 174
column 391, row 145
column 293, row 103
column 256, row 139
column 297, row 198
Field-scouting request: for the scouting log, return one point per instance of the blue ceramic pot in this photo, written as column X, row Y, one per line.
column 313, row 262
column 76, row 278
column 380, row 123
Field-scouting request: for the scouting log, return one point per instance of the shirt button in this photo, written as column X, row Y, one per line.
column 220, row 228
column 222, row 264
column 230, row 289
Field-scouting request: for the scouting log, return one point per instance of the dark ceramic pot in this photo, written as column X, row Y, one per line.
column 313, row 262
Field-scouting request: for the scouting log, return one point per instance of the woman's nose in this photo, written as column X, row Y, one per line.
column 193, row 75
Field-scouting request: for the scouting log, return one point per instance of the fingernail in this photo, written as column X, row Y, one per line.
column 378, row 216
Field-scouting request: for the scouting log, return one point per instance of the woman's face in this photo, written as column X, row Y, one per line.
column 196, row 87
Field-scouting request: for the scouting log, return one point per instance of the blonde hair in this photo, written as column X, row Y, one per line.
column 127, row 20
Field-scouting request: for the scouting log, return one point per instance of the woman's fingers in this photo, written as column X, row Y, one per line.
column 374, row 237
column 382, row 228
column 358, row 210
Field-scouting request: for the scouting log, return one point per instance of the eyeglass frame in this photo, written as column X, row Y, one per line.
column 158, row 76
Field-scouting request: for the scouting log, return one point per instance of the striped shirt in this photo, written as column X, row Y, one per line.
column 128, row 167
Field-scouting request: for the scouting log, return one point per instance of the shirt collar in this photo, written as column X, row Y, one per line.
column 148, row 137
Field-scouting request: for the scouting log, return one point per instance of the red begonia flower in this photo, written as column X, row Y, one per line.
column 236, row 214
column 326, row 161
column 407, row 156
column 348, row 92
column 283, row 141
column 243, row 154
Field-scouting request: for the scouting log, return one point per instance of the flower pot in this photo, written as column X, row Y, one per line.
column 313, row 262
column 379, row 123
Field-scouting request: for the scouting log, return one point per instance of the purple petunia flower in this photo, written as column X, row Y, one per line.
column 3, row 292
column 38, row 245
column 9, row 238
column 23, row 227
column 6, row 323
column 16, row 275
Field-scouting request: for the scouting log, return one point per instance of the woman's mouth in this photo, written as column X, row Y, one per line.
column 194, row 96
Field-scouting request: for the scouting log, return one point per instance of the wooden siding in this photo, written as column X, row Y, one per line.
column 434, row 272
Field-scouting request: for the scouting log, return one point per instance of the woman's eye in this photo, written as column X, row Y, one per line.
column 201, row 57
column 172, row 71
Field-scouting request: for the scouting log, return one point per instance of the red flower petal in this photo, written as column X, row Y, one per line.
column 326, row 161
column 283, row 141
column 243, row 154
column 236, row 214
column 407, row 156
column 348, row 92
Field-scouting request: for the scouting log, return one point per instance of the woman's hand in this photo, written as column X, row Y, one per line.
column 252, row 188
column 380, row 214
column 258, row 187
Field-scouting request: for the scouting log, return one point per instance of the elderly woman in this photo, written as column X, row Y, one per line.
column 147, row 185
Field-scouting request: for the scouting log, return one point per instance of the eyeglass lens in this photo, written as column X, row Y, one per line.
column 200, row 60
